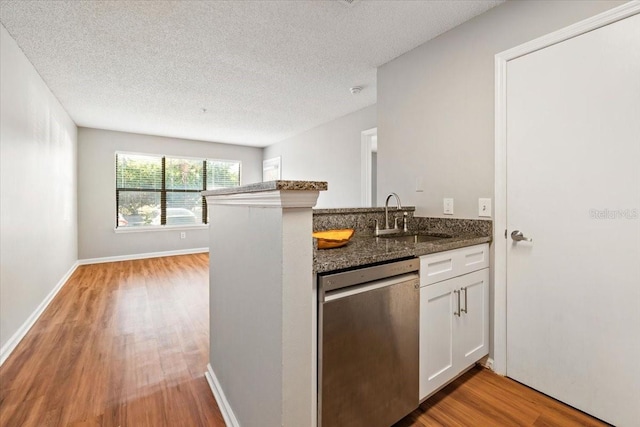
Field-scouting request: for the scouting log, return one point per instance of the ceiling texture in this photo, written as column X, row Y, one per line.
column 243, row 72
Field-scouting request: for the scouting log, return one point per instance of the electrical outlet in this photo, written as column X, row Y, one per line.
column 448, row 206
column 183, row 234
column 484, row 207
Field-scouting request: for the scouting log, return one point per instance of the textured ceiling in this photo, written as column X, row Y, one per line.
column 263, row 70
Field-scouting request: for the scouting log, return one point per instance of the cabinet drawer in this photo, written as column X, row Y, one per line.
column 445, row 265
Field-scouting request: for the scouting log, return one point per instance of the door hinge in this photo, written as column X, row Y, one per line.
column 505, row 233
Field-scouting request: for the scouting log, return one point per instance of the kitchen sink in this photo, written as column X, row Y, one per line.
column 416, row 238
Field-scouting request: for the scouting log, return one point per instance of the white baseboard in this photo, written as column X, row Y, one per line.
column 227, row 413
column 13, row 342
column 141, row 256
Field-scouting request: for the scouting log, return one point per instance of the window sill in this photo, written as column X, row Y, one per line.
column 154, row 228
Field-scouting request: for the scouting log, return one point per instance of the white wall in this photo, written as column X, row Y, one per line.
column 38, row 228
column 96, row 190
column 329, row 152
column 436, row 105
column 262, row 308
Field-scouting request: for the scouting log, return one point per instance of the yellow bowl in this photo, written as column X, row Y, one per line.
column 333, row 238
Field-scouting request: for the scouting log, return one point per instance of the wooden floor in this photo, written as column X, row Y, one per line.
column 482, row 398
column 122, row 344
column 126, row 344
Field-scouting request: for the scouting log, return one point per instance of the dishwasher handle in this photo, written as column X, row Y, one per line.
column 332, row 281
column 371, row 286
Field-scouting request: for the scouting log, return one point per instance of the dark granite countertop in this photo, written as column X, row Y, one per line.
column 270, row 186
column 363, row 250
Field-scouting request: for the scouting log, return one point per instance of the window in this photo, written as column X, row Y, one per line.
column 160, row 190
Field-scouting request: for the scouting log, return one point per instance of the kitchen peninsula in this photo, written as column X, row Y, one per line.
column 263, row 292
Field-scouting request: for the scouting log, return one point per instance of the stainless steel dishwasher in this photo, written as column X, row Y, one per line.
column 368, row 345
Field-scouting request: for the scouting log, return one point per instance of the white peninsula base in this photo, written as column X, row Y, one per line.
column 261, row 361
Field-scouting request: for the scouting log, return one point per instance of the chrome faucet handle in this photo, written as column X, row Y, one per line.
column 377, row 229
column 395, row 223
column 405, row 216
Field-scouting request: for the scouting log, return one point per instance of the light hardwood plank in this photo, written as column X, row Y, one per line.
column 122, row 344
column 481, row 398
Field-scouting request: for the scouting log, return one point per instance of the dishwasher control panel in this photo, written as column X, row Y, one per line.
column 358, row 276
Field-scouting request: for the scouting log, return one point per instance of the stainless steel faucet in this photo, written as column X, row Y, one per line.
column 388, row 230
column 386, row 208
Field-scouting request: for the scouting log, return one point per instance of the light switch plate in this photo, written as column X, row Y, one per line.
column 419, row 184
column 448, row 206
column 484, row 207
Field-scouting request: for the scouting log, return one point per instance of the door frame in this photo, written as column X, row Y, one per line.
column 366, row 137
column 626, row 10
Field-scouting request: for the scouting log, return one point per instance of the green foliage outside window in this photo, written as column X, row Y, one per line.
column 147, row 196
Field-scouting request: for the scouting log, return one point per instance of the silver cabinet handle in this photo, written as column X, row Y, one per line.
column 465, row 300
column 457, row 313
column 517, row 236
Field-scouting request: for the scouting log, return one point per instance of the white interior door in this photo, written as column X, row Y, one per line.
column 573, row 186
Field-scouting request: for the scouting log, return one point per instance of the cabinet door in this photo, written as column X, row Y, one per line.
column 437, row 305
column 472, row 327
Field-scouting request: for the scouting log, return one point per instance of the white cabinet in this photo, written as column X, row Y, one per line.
column 454, row 314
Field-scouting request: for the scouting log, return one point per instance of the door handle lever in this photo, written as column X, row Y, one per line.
column 517, row 236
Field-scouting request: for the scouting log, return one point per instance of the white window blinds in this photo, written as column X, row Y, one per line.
column 160, row 190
